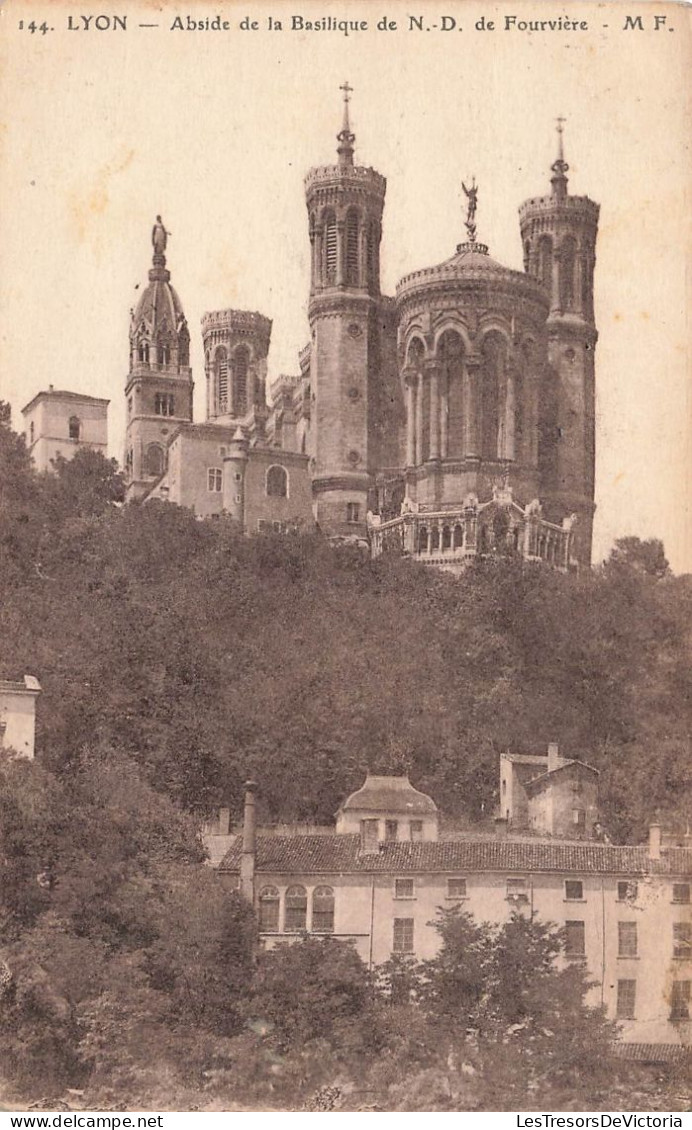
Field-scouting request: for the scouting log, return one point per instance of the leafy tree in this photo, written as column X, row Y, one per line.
column 647, row 557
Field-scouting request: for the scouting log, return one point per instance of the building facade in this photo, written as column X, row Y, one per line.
column 452, row 419
column 60, row 423
column 380, row 875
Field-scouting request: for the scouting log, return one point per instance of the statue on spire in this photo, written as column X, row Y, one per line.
column 472, row 197
column 159, row 237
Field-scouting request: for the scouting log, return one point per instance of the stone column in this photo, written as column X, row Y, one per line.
column 508, row 449
column 433, row 375
column 419, row 420
column 409, row 376
column 472, row 371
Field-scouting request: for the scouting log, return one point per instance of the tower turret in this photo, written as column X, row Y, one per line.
column 559, row 239
column 159, row 382
column 345, row 204
column 236, row 343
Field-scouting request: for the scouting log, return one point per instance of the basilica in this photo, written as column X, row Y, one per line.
column 453, row 419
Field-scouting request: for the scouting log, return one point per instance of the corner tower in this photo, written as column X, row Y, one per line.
column 345, row 204
column 159, row 382
column 559, row 239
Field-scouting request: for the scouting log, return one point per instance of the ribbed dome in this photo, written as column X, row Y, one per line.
column 471, row 263
column 159, row 305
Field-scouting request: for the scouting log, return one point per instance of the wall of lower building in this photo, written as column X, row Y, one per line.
column 552, row 808
column 366, row 907
column 18, row 719
column 51, row 420
column 261, row 507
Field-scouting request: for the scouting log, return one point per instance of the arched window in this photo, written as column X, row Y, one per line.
column 154, row 462
column 446, row 538
column 372, row 244
column 184, row 347
column 296, row 909
column 269, row 909
column 519, row 414
column 221, row 380
column 568, row 262
column 239, row 366
column 450, row 351
column 323, row 910
column 163, row 353
column 329, row 242
column 458, row 536
column 494, row 352
column 143, row 352
column 277, row 482
column 423, row 539
column 545, row 260
column 352, row 240
column 75, row 427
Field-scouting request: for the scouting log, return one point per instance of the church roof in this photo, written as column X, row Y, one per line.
column 389, row 794
column 342, row 854
column 159, row 301
column 471, row 262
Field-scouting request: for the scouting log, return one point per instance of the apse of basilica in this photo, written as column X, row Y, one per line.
column 453, row 419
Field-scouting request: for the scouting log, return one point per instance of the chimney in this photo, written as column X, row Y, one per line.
column 654, row 841
column 224, row 822
column 553, row 756
column 247, row 857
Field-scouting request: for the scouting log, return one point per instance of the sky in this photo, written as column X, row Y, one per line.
column 215, row 130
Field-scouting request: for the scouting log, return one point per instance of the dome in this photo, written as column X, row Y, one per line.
column 473, row 265
column 390, row 794
column 159, row 305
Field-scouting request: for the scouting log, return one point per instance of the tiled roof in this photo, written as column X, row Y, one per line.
column 653, row 1053
column 389, row 794
column 341, row 854
column 545, row 778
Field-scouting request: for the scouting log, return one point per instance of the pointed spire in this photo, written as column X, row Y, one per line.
column 560, row 167
column 345, row 137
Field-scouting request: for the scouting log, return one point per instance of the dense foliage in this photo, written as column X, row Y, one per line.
column 177, row 658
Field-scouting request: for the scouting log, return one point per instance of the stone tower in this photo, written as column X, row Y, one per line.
column 236, row 343
column 345, row 204
column 159, row 383
column 559, row 239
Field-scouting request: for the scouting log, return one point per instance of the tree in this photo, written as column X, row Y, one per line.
column 645, row 556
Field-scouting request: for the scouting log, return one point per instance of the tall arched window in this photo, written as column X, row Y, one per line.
column 494, row 352
column 450, row 350
column 277, row 482
column 154, row 462
column 568, row 262
column 545, row 260
column 372, row 244
column 352, row 248
column 269, row 909
column 143, row 352
column 163, row 353
column 75, row 427
column 295, row 918
column 239, row 366
column 221, row 380
column 184, row 347
column 323, row 910
column 329, row 239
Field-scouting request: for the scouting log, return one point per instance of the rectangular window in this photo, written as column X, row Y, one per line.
column 403, row 935
column 681, row 892
column 627, row 992
column 403, row 889
column 222, row 451
column 164, row 404
column 627, row 939
column 263, row 525
column 416, row 830
column 627, row 891
column 214, row 479
column 352, row 512
column 579, row 819
column 517, row 889
column 680, row 1000
column 682, row 940
column 391, row 829
column 575, row 945
column 456, row 888
column 369, row 835
column 574, row 889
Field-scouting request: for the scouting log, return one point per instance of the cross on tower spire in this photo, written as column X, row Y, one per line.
column 345, row 137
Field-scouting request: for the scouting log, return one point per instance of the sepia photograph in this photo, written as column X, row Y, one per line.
column 345, row 558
